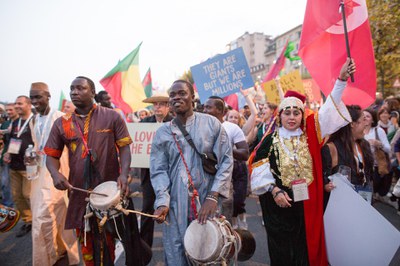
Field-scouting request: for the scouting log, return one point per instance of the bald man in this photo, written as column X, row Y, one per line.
column 69, row 107
column 20, row 138
column 51, row 244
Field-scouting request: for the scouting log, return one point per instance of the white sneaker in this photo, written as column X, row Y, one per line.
column 242, row 221
column 394, row 204
column 234, row 223
column 119, row 249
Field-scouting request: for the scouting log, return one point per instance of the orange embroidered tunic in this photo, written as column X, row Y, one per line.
column 104, row 132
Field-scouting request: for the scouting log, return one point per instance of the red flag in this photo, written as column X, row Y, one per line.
column 232, row 101
column 279, row 64
column 147, row 84
column 323, row 48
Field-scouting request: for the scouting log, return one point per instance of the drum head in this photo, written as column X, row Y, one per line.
column 8, row 218
column 203, row 242
column 110, row 188
column 248, row 244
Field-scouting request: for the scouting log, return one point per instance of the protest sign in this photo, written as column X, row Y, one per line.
column 271, row 91
column 142, row 135
column 292, row 81
column 222, row 75
column 355, row 232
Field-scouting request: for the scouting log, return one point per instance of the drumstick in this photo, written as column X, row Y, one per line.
column 146, row 214
column 88, row 191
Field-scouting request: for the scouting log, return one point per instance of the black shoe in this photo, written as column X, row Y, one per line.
column 25, row 228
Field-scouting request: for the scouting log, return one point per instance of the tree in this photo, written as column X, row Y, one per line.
column 187, row 75
column 384, row 19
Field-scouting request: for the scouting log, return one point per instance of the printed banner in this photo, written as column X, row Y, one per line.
column 222, row 75
column 142, row 135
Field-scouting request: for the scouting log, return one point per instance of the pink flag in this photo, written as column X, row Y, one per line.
column 277, row 67
column 232, row 100
column 323, row 48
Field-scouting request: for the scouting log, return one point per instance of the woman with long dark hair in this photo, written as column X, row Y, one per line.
column 289, row 155
column 348, row 147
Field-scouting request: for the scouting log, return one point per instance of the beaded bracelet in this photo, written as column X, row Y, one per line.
column 279, row 192
column 212, row 196
column 341, row 79
column 209, row 197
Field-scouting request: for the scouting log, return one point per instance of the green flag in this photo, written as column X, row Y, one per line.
column 63, row 99
column 289, row 49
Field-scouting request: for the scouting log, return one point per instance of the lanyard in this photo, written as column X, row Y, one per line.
column 21, row 129
column 359, row 158
column 83, row 139
column 193, row 191
column 85, row 133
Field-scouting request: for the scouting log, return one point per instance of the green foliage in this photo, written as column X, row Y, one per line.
column 187, row 75
column 384, row 19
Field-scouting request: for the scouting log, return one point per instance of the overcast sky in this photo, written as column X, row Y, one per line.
column 56, row 40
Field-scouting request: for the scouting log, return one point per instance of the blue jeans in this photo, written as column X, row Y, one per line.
column 5, row 185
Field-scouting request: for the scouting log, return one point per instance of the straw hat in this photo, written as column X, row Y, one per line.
column 157, row 97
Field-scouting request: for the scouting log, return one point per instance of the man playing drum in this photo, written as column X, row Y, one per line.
column 98, row 146
column 177, row 175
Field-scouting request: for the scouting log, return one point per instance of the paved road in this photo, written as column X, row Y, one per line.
column 17, row 251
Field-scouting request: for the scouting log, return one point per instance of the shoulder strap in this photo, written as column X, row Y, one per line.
column 376, row 133
column 334, row 154
column 186, row 135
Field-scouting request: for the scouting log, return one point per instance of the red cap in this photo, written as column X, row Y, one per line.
column 296, row 94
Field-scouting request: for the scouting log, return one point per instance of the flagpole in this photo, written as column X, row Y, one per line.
column 346, row 37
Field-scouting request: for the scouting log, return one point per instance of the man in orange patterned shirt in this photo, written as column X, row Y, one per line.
column 98, row 146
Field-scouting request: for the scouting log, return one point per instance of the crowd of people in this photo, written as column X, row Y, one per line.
column 88, row 144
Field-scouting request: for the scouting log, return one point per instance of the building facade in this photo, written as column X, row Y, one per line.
column 254, row 46
column 292, row 35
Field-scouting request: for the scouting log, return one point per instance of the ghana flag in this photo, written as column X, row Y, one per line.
column 124, row 85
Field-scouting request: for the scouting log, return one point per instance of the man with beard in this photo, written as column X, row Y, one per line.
column 98, row 145
column 21, row 138
column 5, row 168
column 180, row 183
column 50, row 242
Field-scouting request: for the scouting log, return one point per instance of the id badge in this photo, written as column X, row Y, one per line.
column 14, row 146
column 300, row 190
column 365, row 192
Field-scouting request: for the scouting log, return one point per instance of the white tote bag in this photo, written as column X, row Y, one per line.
column 261, row 177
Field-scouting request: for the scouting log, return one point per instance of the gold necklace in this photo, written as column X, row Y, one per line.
column 294, row 161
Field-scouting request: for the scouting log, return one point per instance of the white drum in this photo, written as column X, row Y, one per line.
column 212, row 242
column 105, row 206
